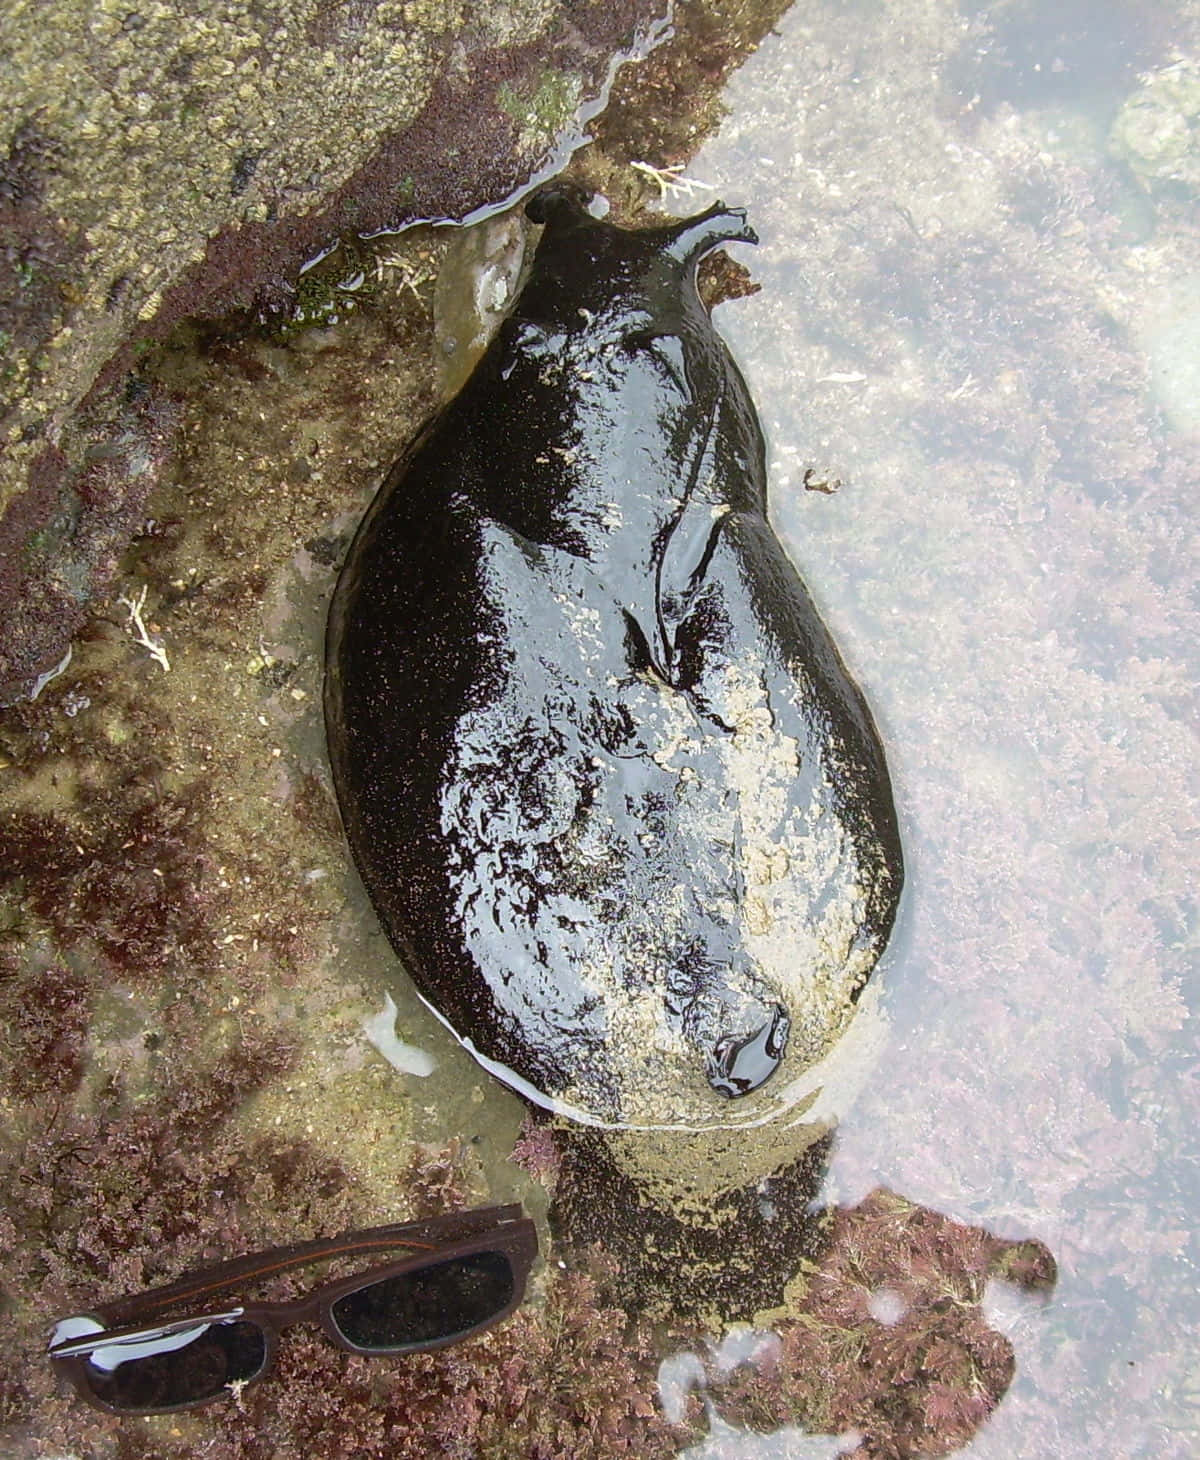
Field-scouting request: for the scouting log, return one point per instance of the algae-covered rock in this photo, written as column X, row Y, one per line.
column 1157, row 131
column 160, row 162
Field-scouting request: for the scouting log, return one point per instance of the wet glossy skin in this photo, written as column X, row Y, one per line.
column 616, row 800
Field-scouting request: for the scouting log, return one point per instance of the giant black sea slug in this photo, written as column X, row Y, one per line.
column 619, row 805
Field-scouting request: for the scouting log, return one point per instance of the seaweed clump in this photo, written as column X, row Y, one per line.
column 100, row 1201
column 130, row 882
column 887, row 1335
column 566, row 1379
column 45, row 1017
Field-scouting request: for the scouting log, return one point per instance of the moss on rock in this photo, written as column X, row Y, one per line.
column 158, row 164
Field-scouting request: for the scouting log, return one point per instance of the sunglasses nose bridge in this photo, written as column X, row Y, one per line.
column 315, row 1308
column 274, row 1319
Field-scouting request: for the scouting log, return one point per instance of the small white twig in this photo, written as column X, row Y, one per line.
column 235, row 1387
column 136, row 626
column 410, row 276
column 671, row 180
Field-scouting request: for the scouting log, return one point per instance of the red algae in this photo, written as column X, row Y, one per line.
column 914, row 1374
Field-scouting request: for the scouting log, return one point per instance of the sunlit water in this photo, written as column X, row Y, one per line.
column 959, row 289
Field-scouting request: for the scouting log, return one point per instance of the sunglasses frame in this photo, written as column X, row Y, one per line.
column 503, row 1229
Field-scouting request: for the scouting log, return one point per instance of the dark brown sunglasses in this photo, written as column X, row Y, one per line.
column 469, row 1273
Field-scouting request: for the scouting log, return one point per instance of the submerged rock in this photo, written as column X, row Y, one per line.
column 611, row 790
column 1157, row 130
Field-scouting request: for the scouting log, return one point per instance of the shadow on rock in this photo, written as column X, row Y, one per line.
column 873, row 1322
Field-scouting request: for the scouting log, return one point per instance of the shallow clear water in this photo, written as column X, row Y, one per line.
column 960, row 295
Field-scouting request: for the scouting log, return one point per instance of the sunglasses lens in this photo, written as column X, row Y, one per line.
column 428, row 1305
column 179, row 1368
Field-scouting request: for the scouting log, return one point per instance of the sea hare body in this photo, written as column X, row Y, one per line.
column 613, row 794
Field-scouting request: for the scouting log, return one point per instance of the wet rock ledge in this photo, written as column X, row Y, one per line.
column 157, row 165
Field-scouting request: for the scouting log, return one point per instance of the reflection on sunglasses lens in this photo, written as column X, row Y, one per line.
column 168, row 1371
column 432, row 1303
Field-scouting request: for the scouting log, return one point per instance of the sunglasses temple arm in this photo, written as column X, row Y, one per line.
column 210, row 1281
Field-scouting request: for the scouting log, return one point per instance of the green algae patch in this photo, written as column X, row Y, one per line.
column 325, row 293
column 541, row 112
column 1157, row 130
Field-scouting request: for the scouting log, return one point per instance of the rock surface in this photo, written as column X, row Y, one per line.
column 156, row 165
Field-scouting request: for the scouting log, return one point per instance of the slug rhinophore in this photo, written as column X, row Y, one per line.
column 618, row 804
